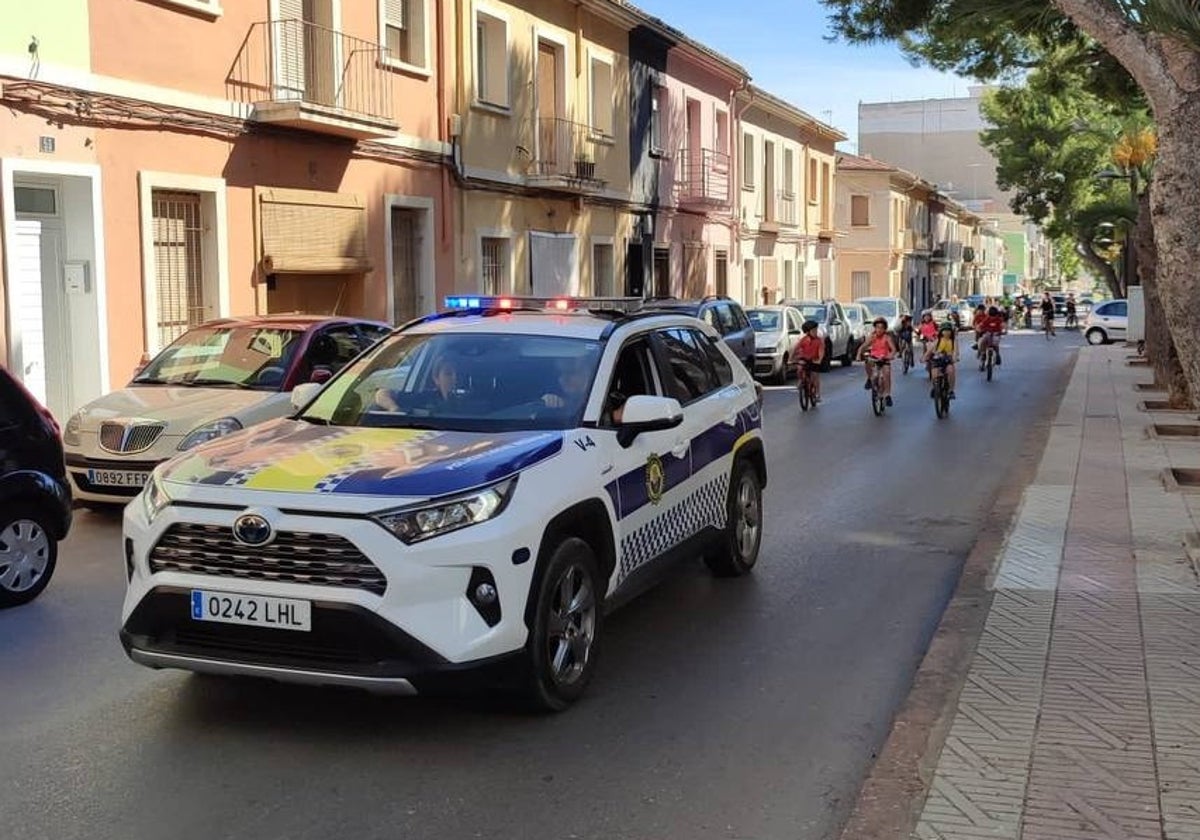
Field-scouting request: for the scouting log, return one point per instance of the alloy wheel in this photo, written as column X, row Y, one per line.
column 571, row 629
column 748, row 513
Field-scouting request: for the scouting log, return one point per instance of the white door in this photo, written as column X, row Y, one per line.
column 554, row 264
column 42, row 336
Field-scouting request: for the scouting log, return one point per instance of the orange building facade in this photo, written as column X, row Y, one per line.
column 166, row 162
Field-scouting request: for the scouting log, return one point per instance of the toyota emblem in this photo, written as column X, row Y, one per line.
column 252, row 529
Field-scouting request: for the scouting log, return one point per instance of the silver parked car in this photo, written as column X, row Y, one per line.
column 776, row 331
column 892, row 308
column 1108, row 321
column 859, row 320
column 832, row 325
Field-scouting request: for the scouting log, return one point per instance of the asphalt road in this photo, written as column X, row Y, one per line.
column 721, row 709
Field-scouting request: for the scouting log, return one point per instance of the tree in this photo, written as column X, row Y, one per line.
column 1050, row 136
column 1157, row 42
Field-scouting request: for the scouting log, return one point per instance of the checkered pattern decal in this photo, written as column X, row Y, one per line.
column 704, row 507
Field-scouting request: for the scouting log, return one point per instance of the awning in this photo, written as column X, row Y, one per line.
column 312, row 232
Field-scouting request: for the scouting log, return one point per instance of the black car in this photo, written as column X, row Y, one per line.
column 35, row 501
column 724, row 314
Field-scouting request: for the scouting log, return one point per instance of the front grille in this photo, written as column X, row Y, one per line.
column 127, row 438
column 293, row 557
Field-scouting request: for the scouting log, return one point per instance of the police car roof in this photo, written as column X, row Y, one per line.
column 569, row 324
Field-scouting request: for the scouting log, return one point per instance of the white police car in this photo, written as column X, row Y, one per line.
column 468, row 495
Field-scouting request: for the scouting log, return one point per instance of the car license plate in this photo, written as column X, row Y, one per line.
column 117, row 478
column 254, row 610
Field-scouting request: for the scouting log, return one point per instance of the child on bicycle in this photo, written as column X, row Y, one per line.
column 978, row 318
column 809, row 353
column 905, row 333
column 878, row 350
column 942, row 355
column 990, row 330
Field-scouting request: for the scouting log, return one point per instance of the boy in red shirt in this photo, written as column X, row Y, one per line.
column 810, row 353
column 990, row 330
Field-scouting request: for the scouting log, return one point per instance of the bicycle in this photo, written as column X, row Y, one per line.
column 941, row 391
column 1048, row 326
column 906, row 354
column 878, row 399
column 1072, row 322
column 988, row 360
column 806, row 386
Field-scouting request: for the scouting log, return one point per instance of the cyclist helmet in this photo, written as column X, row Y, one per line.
column 880, row 322
column 994, row 312
column 949, row 325
column 904, row 319
column 808, row 326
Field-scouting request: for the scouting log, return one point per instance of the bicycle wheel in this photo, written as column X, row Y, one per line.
column 877, row 404
column 941, row 397
column 805, row 397
column 991, row 360
column 908, row 360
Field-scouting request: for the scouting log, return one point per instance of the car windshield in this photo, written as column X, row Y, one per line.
column 813, row 313
column 225, row 357
column 765, row 320
column 881, row 308
column 472, row 382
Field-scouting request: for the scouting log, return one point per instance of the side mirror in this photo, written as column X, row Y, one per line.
column 304, row 393
column 647, row 414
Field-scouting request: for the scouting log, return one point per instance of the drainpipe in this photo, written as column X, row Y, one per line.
column 735, row 157
column 443, row 128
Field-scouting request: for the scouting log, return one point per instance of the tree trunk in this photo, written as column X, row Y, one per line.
column 1160, row 349
column 1101, row 266
column 1175, row 215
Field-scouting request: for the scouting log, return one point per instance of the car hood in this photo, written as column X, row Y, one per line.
column 292, row 456
column 767, row 340
column 182, row 409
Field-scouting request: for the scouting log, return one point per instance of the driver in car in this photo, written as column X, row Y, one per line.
column 573, row 380
column 444, row 378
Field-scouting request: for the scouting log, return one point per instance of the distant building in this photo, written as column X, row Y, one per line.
column 938, row 139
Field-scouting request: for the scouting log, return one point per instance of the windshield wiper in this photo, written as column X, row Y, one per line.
column 213, row 383
column 152, row 380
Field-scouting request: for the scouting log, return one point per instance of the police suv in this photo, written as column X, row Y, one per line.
column 469, row 495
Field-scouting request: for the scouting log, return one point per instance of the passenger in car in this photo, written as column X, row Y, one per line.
column 573, row 381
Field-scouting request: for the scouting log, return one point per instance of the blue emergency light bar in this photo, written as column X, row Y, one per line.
column 555, row 304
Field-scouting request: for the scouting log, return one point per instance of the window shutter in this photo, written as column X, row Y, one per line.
column 287, row 37
column 393, row 13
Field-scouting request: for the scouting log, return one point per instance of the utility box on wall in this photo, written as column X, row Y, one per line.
column 1137, row 315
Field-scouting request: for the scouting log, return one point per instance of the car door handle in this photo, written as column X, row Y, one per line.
column 681, row 448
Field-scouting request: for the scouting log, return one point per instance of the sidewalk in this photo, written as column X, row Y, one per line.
column 1080, row 717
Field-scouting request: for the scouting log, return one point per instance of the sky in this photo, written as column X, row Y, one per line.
column 782, row 43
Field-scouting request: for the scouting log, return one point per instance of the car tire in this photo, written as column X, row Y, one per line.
column 567, row 619
column 28, row 555
column 780, row 376
column 827, row 362
column 736, row 551
column 1096, row 336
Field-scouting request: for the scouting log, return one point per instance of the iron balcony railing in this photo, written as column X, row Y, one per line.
column 703, row 177
column 298, row 61
column 565, row 150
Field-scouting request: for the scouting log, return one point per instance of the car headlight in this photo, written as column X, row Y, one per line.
column 210, row 431
column 154, row 497
column 417, row 523
column 72, row 431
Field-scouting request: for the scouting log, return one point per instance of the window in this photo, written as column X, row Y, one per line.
column 602, row 97
column 721, row 272
column 859, row 283
column 812, row 181
column 658, row 102
column 37, row 201
column 789, row 174
column 491, row 60
column 178, row 263
column 330, row 351
column 633, row 376
column 603, row 273
column 748, row 161
column 662, row 272
column 689, row 373
column 826, row 180
column 722, row 132
column 493, row 266
column 860, row 210
column 404, row 32
column 720, row 364
column 371, row 334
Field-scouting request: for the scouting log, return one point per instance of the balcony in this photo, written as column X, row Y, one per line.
column 301, row 75
column 565, row 159
column 703, row 178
